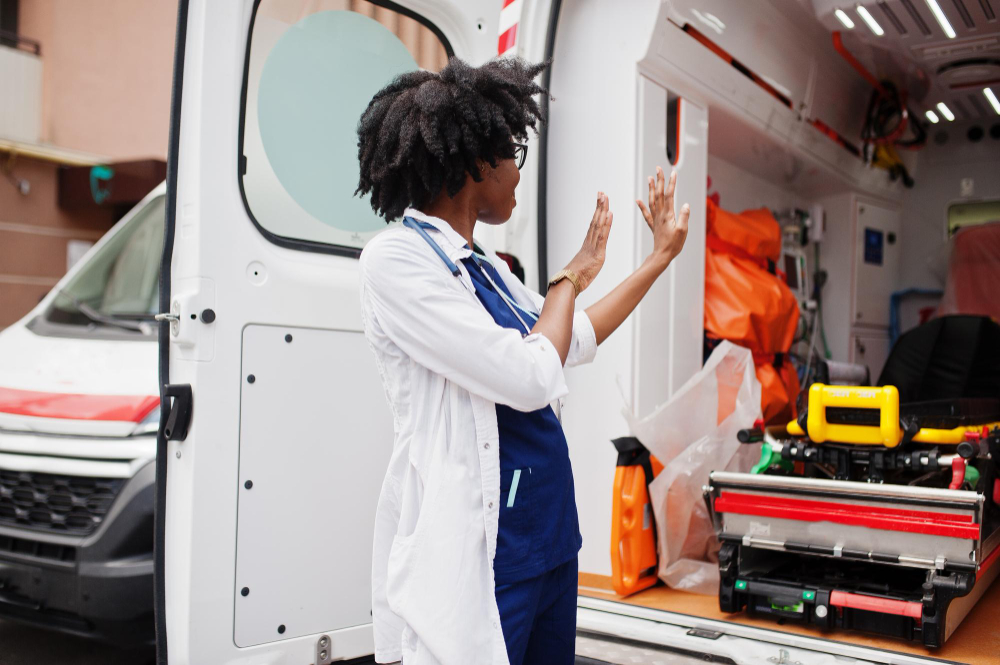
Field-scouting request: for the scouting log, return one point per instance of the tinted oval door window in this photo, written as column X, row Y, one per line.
column 313, row 68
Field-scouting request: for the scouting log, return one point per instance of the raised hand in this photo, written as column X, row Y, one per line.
column 590, row 259
column 669, row 230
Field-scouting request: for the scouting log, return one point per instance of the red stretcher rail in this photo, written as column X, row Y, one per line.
column 873, row 517
column 857, row 601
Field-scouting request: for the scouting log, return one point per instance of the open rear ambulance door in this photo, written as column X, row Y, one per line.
column 276, row 434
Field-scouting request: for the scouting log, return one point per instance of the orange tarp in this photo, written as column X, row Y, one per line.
column 750, row 306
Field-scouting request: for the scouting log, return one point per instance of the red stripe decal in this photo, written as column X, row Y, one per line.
column 507, row 40
column 888, row 519
column 831, row 134
column 874, row 604
column 127, row 408
column 746, row 71
column 507, row 2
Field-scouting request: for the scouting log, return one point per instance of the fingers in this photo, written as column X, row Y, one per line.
column 599, row 221
column 669, row 203
column 652, row 197
column 660, row 181
column 595, row 220
column 648, row 216
column 681, row 228
column 605, row 232
column 682, row 221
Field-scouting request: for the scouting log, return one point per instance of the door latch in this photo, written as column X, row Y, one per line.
column 173, row 316
column 176, row 428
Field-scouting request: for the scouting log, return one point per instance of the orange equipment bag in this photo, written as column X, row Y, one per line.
column 633, row 530
column 748, row 304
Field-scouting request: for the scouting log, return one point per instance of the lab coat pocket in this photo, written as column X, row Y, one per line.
column 517, row 512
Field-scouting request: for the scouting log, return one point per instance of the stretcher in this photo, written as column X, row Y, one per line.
column 891, row 559
column 867, row 515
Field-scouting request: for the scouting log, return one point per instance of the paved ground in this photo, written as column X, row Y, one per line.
column 24, row 645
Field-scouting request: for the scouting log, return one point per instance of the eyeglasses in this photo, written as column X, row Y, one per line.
column 520, row 154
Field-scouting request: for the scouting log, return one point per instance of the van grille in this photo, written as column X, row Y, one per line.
column 62, row 504
column 33, row 548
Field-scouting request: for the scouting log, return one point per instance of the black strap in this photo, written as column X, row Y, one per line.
column 631, row 452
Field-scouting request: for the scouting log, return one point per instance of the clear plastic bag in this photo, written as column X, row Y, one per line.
column 693, row 434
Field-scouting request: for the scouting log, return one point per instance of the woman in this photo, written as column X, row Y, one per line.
column 476, row 536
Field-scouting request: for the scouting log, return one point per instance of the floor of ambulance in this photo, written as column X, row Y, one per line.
column 976, row 640
column 602, row 651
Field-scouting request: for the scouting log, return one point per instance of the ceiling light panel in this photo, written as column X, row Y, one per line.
column 945, row 111
column 941, row 18
column 844, row 19
column 870, row 21
column 993, row 99
column 932, row 116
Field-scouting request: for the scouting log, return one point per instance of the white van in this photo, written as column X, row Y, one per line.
column 275, row 438
column 78, row 419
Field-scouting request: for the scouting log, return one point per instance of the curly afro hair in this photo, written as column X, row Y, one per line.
column 424, row 131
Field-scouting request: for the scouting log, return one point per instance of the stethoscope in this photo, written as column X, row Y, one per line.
column 478, row 259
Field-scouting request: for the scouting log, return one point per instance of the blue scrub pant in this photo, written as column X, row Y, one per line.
column 538, row 616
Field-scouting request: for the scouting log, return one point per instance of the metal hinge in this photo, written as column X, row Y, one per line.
column 323, row 650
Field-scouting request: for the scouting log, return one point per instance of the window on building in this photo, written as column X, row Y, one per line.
column 8, row 23
column 313, row 67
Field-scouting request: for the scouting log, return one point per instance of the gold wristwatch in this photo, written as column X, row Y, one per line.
column 573, row 278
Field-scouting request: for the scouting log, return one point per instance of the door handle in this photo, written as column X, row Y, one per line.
column 176, row 428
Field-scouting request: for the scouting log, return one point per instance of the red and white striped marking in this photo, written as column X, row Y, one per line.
column 510, row 16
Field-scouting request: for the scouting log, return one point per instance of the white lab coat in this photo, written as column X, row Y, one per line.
column 444, row 364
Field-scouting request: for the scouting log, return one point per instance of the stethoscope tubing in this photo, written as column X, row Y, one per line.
column 420, row 228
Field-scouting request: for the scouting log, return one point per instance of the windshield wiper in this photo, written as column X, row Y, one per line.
column 98, row 317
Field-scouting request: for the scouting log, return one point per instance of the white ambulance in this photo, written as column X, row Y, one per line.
column 274, row 430
column 78, row 420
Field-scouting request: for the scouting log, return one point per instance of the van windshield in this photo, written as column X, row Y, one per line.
column 119, row 283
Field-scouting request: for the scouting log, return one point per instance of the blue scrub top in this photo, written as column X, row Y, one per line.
column 539, row 528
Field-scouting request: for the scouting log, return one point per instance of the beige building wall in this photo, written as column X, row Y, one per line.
column 107, row 68
column 106, row 75
column 34, row 237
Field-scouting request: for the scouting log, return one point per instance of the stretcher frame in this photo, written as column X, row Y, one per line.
column 938, row 531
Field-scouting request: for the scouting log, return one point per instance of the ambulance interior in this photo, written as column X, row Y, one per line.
column 780, row 93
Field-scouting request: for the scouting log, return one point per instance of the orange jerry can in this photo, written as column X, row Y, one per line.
column 633, row 531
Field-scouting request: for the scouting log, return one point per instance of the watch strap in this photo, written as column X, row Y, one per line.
column 567, row 274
